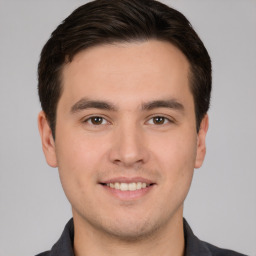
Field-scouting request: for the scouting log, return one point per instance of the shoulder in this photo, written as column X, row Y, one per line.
column 44, row 254
column 216, row 251
column 64, row 246
column 197, row 247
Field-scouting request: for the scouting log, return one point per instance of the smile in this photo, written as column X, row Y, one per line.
column 128, row 186
column 128, row 189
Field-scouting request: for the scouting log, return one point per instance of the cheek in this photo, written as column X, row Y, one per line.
column 79, row 160
column 176, row 156
column 78, row 150
column 177, row 149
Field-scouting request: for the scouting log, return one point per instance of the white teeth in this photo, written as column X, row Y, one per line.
column 124, row 186
column 139, row 185
column 117, row 185
column 128, row 186
column 132, row 186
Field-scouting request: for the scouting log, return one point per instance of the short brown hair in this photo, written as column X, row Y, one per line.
column 108, row 21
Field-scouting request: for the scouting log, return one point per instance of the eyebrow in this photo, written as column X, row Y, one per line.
column 85, row 103
column 170, row 103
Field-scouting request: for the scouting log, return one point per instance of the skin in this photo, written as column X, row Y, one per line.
column 132, row 140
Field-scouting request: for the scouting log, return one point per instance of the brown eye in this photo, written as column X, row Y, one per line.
column 159, row 120
column 96, row 120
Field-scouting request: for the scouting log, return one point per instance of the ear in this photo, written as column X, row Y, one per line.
column 201, row 147
column 47, row 140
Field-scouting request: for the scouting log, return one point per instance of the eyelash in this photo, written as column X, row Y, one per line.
column 89, row 120
column 165, row 120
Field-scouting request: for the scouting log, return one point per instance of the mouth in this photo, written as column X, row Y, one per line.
column 131, row 186
column 128, row 188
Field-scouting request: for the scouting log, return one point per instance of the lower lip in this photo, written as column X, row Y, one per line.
column 128, row 195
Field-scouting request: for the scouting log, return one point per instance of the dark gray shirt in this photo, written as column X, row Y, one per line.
column 193, row 246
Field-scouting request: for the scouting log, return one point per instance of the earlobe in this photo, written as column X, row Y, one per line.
column 201, row 146
column 47, row 140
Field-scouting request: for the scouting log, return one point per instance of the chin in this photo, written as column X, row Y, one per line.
column 131, row 230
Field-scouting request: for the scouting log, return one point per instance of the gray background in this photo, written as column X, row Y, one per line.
column 221, row 206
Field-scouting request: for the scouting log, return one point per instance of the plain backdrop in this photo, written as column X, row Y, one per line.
column 221, row 206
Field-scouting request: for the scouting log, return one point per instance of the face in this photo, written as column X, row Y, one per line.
column 126, row 143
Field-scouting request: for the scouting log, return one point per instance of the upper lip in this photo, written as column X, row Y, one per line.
column 127, row 180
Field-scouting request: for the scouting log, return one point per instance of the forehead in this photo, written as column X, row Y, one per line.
column 141, row 68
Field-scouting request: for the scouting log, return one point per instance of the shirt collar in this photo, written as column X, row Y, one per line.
column 64, row 246
column 194, row 246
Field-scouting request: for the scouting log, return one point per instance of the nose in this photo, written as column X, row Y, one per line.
column 129, row 147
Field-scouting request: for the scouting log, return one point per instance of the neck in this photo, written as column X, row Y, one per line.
column 167, row 240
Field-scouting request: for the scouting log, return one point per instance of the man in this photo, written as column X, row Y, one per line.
column 125, row 89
